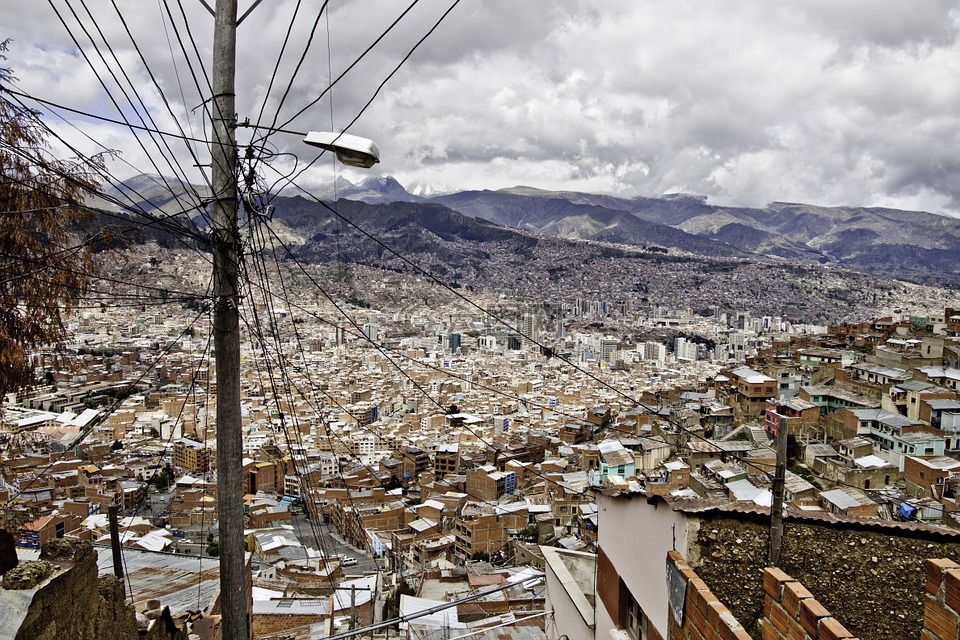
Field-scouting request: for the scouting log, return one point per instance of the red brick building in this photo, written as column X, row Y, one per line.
column 925, row 475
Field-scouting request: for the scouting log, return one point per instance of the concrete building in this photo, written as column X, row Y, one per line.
column 191, row 456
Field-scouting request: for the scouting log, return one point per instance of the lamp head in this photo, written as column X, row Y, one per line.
column 351, row 150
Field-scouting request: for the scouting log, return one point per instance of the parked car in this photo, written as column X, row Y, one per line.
column 348, row 561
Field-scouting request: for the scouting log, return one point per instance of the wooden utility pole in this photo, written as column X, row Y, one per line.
column 776, row 511
column 115, row 541
column 353, row 606
column 226, row 325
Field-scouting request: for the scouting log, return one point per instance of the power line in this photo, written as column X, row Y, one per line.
column 103, row 82
column 196, row 50
column 88, row 429
column 459, row 295
column 351, row 65
column 430, row 611
column 283, row 47
column 258, row 331
column 281, row 360
column 389, row 76
column 159, row 88
column 676, row 424
column 389, row 359
column 173, row 60
column 165, row 223
column 102, row 118
column 174, row 164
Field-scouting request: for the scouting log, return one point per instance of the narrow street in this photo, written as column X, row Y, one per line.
column 334, row 544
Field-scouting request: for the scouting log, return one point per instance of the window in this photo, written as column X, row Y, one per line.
column 636, row 620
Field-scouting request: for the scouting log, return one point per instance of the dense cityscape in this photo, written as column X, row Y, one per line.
column 479, row 321
column 398, row 455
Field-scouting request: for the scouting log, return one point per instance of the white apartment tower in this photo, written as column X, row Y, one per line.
column 530, row 331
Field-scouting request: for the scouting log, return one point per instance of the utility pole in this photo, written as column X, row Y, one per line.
column 351, row 150
column 353, row 606
column 115, row 541
column 226, row 326
column 779, row 482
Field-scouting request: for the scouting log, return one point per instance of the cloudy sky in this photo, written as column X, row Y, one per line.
column 746, row 102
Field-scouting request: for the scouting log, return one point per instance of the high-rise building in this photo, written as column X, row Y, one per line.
column 454, row 342
column 608, row 349
column 652, row 351
column 529, row 331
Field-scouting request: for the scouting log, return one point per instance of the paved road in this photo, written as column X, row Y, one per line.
column 334, row 544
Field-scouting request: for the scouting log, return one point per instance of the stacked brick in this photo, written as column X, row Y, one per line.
column 705, row 617
column 792, row 613
column 264, row 624
column 941, row 607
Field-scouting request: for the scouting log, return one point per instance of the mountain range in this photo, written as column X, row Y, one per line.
column 909, row 245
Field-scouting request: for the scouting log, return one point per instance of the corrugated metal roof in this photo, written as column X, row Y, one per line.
column 719, row 507
column 177, row 581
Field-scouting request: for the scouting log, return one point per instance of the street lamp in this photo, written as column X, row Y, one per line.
column 225, row 240
column 351, row 150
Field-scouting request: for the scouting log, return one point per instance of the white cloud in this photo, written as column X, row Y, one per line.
column 832, row 103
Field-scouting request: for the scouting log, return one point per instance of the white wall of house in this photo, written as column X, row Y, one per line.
column 636, row 537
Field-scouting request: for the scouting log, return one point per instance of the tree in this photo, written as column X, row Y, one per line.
column 530, row 533
column 213, row 548
column 43, row 269
column 162, row 479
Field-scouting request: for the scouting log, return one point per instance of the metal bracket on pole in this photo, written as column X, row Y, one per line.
column 245, row 13
column 248, row 11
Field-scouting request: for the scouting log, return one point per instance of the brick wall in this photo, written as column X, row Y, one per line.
column 704, row 615
column 941, row 607
column 870, row 577
column 791, row 612
column 264, row 624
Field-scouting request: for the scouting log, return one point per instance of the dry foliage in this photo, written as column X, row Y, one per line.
column 44, row 265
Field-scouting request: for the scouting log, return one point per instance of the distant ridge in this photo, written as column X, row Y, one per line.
column 910, row 245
